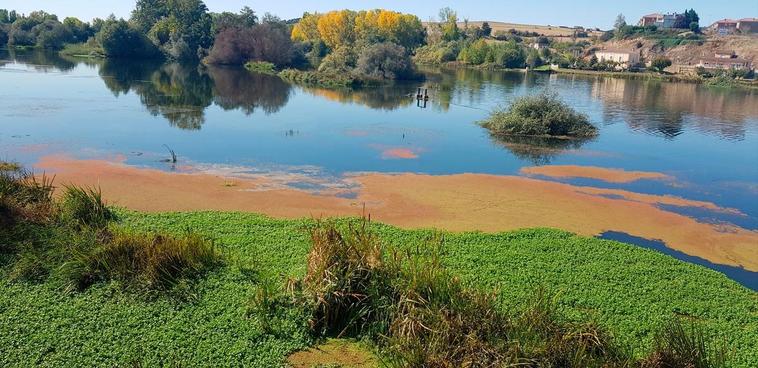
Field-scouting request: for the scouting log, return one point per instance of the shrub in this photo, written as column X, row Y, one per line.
column 149, row 261
column 262, row 42
column 384, row 61
column 119, row 39
column 660, row 63
column 341, row 60
column 84, row 207
column 437, row 53
column 539, row 115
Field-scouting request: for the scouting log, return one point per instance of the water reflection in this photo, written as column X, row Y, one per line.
column 181, row 94
column 539, row 150
column 669, row 109
column 388, row 97
column 40, row 60
column 234, row 88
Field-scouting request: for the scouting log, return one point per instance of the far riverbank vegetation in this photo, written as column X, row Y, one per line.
column 349, row 48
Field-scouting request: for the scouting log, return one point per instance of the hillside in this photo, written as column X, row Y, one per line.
column 745, row 46
column 547, row 30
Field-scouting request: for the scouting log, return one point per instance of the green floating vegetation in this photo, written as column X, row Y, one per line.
column 543, row 115
column 73, row 242
column 319, row 79
column 263, row 67
column 553, row 297
column 89, row 50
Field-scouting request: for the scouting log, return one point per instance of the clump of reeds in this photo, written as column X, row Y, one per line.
column 149, row 261
column 543, row 115
column 424, row 316
column 73, row 238
column 345, row 279
column 684, row 345
column 24, row 196
column 84, row 206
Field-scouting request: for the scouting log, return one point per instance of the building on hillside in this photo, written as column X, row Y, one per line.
column 625, row 58
column 538, row 46
column 725, row 54
column 724, row 60
column 748, row 25
column 659, row 20
column 725, row 26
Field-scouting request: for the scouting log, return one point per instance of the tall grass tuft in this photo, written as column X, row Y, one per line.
column 84, row 206
column 24, row 196
column 680, row 345
column 146, row 261
column 345, row 279
column 543, row 115
column 424, row 316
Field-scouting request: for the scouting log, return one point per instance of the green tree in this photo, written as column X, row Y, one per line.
column 486, row 29
column 659, row 63
column 178, row 27
column 449, row 24
column 80, row 31
column 51, row 34
column 4, row 16
column 146, row 13
column 119, row 39
column 385, row 61
column 695, row 27
column 245, row 18
column 620, row 22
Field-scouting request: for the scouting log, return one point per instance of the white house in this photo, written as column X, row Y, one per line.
column 626, row 58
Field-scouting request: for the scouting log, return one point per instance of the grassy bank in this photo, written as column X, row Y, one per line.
column 682, row 78
column 629, row 291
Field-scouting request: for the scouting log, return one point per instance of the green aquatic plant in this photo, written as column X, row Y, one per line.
column 543, row 115
column 261, row 67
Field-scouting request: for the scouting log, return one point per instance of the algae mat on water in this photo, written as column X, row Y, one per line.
column 628, row 290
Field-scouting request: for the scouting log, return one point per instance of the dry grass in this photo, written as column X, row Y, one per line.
column 147, row 261
column 422, row 315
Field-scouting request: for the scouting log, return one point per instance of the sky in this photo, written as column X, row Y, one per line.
column 587, row 13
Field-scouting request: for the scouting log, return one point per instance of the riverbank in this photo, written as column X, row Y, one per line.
column 218, row 326
column 750, row 84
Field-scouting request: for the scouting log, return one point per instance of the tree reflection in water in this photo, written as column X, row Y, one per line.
column 236, row 88
column 180, row 93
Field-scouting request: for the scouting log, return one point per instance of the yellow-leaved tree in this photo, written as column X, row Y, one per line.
column 337, row 28
column 306, row 30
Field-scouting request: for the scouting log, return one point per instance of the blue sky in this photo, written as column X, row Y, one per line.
column 589, row 13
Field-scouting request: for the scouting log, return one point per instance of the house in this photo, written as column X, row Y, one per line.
column 659, row 20
column 724, row 54
column 748, row 25
column 725, row 26
column 651, row 20
column 625, row 58
column 538, row 46
column 724, row 60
